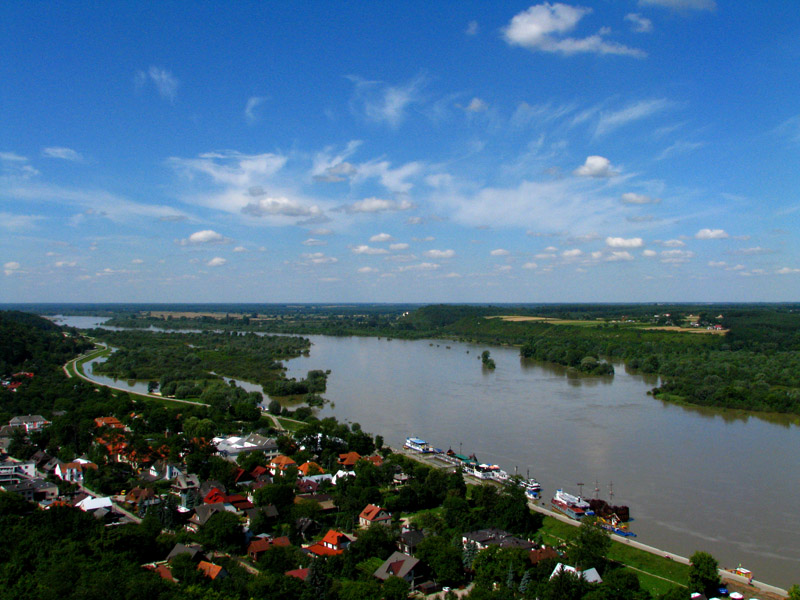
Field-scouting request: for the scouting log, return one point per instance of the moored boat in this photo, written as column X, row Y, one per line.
column 572, row 506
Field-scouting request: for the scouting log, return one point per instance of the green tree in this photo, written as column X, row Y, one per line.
column 395, row 588
column 703, row 573
column 589, row 545
column 794, row 593
column 223, row 531
column 443, row 557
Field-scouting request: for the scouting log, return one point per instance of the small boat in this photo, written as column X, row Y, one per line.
column 570, row 505
column 532, row 488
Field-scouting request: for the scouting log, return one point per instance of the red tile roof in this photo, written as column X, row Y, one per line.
column 372, row 513
column 209, row 570
column 349, row 459
column 301, row 574
column 309, row 466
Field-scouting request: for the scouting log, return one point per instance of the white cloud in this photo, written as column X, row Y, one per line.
column 674, row 243
column 334, row 167
column 754, row 251
column 440, row 254
column 253, row 103
column 65, row 263
column 217, row 261
column 284, row 207
column 18, row 222
column 640, row 110
column 425, row 266
column 476, row 105
column 137, row 261
column 681, row 4
column 472, row 28
column 11, row 267
column 381, row 237
column 394, row 180
column 619, row 255
column 499, row 252
column 232, row 168
column 367, row 270
column 639, row 24
column 363, row 249
column 717, row 264
column 382, row 103
column 679, row 147
column 676, row 256
column 165, row 82
column 314, row 242
column 207, row 236
column 649, row 253
column 321, row 231
column 711, row 234
column 529, row 265
column 414, row 221
column 543, row 26
column 240, row 249
column 573, row 253
column 16, row 166
column 618, row 242
column 399, row 246
column 781, row 271
column 595, row 166
column 504, row 268
column 62, row 153
column 377, row 205
column 319, row 258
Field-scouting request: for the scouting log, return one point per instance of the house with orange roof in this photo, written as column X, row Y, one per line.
column 301, row 574
column 349, row 459
column 334, row 542
column 112, row 422
column 374, row 514
column 280, row 463
column 211, row 570
column 310, row 468
column 258, row 546
column 73, row 471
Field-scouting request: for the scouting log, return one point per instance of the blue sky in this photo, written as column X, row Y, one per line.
column 626, row 150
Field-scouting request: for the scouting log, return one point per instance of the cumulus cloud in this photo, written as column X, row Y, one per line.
column 711, row 234
column 381, row 237
column 649, row 253
column 681, row 4
column 595, row 166
column 676, row 256
column 573, row 253
column 217, row 261
column 398, row 246
column 165, row 82
column 331, row 167
column 240, row 249
column 618, row 255
column 542, row 27
column 639, row 24
column 395, row 180
column 137, row 261
column 414, row 221
column 314, row 242
column 11, row 267
column 673, row 243
column 250, row 114
column 62, row 153
column 377, row 205
column 425, row 266
column 207, row 236
column 319, row 258
column 363, row 249
column 440, row 254
column 639, row 110
column 284, row 207
column 529, row 265
column 65, row 263
column 367, row 270
column 781, row 271
column 618, row 242
column 476, row 105
column 499, row 252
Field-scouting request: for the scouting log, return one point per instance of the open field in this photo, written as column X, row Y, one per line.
column 599, row 322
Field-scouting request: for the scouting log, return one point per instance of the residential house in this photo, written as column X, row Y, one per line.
column 334, row 542
column 203, row 513
column 310, row 468
column 484, row 538
column 280, row 464
column 301, row 574
column 142, row 498
column 31, row 423
column 409, row 540
column 195, row 552
column 403, row 566
column 231, row 447
column 33, row 490
column 112, row 422
column 73, row 471
column 537, row 555
column 211, row 570
column 259, row 545
column 15, row 471
column 374, row 514
column 187, row 487
column 589, row 575
column 349, row 459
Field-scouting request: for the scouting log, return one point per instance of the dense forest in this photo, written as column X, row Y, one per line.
column 184, row 364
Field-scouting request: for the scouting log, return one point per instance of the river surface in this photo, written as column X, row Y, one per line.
column 694, row 479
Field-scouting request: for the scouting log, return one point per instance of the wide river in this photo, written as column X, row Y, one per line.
column 694, row 479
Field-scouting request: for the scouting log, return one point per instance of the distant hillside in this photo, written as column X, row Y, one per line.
column 29, row 343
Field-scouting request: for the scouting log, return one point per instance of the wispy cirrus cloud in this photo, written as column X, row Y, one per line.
column 543, row 27
column 681, row 4
column 639, row 24
column 164, row 81
column 62, row 153
column 377, row 205
column 634, row 112
column 250, row 113
column 381, row 103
